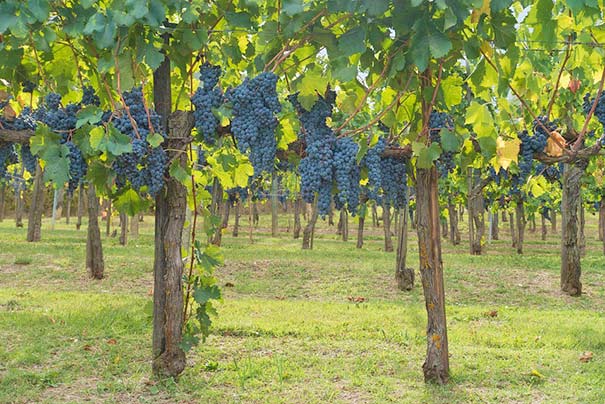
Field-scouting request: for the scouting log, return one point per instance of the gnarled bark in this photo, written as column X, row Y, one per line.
column 386, row 225
column 436, row 365
column 94, row 247
column 454, row 230
column 168, row 357
column 80, row 206
column 297, row 226
column 34, row 223
column 123, row 228
column 570, row 251
column 403, row 276
column 520, row 216
column 307, row 243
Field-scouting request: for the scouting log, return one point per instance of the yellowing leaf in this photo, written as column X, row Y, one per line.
column 507, row 151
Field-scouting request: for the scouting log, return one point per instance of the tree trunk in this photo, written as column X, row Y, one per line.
column 544, row 230
column 386, row 224
column 581, row 227
column 2, row 199
column 520, row 216
column 134, row 226
column 60, row 199
column 108, row 223
column 67, row 208
column 601, row 218
column 403, row 276
column 237, row 216
column 80, row 205
column 226, row 212
column 297, row 226
column 94, row 247
column 310, row 228
column 19, row 204
column 513, row 231
column 171, row 204
column 215, row 210
column 274, row 206
column 495, row 228
column 436, row 365
column 255, row 215
column 360, row 226
column 444, row 228
column 375, row 216
column 344, row 218
column 54, row 212
column 570, row 252
column 454, row 231
column 476, row 217
column 34, row 225
column 123, row 228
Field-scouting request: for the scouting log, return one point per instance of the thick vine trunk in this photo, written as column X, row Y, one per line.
column 60, row 198
column 255, row 215
column 570, row 251
column 581, row 227
column 360, row 227
column 403, row 276
column 226, row 213
column 374, row 216
column 601, row 218
column 454, row 230
column 80, row 205
column 513, row 231
column 386, row 225
column 307, row 243
column 67, row 208
column 19, row 205
column 436, row 365
column 54, row 209
column 237, row 215
column 297, row 225
column 123, row 228
column 520, row 216
column 274, row 206
column 476, row 217
column 108, row 222
column 94, row 247
column 344, row 218
column 34, row 225
column 2, row 199
column 216, row 209
column 134, row 226
column 495, row 227
column 171, row 204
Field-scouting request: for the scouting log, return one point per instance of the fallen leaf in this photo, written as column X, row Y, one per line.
column 586, row 357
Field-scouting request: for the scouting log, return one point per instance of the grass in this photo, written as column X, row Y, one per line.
column 287, row 331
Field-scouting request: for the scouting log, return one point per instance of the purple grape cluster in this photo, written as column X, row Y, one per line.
column 347, row 173
column 255, row 105
column 438, row 121
column 206, row 99
column 316, row 167
column 145, row 166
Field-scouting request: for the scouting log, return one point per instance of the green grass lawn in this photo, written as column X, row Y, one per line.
column 287, row 331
